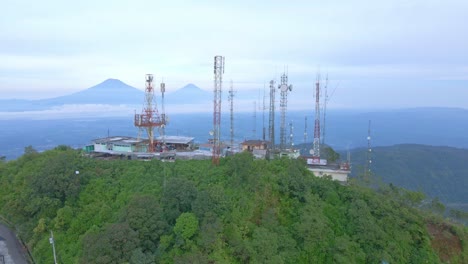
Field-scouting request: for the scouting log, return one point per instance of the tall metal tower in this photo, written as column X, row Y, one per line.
column 254, row 129
column 263, row 115
column 271, row 123
column 218, row 81
column 149, row 117
column 283, row 106
column 162, row 130
column 325, row 102
column 231, row 102
column 369, row 153
column 316, row 147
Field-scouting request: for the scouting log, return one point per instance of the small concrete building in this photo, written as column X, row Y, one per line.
column 177, row 142
column 251, row 145
column 120, row 144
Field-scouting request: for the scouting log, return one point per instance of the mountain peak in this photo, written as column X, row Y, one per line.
column 190, row 86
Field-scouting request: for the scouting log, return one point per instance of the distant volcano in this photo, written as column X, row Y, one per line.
column 189, row 94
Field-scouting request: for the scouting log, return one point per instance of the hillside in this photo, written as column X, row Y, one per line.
column 437, row 171
column 243, row 211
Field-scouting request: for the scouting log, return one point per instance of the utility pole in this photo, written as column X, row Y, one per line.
column 51, row 241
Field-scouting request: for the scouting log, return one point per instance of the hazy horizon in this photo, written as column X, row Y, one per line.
column 396, row 54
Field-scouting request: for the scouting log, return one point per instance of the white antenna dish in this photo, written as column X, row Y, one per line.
column 311, row 152
column 211, row 132
column 283, row 87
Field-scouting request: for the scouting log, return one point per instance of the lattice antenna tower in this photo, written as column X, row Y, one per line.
column 231, row 109
column 254, row 128
column 316, row 145
column 263, row 114
column 284, row 88
column 369, row 152
column 271, row 121
column 149, row 118
column 325, row 102
column 164, row 118
column 218, row 81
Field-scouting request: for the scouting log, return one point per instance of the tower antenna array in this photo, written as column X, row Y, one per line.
column 218, row 81
column 149, row 117
column 231, row 101
column 271, row 123
column 316, row 147
column 283, row 106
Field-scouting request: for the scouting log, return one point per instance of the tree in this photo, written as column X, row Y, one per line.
column 177, row 198
column 186, row 225
column 144, row 215
column 114, row 244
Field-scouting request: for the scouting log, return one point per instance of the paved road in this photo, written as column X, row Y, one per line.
column 10, row 247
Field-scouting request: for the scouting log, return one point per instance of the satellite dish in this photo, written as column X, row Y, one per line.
column 283, row 87
column 211, row 132
column 163, row 87
column 311, row 152
column 290, row 87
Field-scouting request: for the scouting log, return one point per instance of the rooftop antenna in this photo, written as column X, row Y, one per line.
column 149, row 117
column 316, row 147
column 231, row 102
column 218, row 81
column 271, row 123
column 283, row 106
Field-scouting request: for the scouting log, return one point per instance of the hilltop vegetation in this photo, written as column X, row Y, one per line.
column 243, row 211
column 437, row 171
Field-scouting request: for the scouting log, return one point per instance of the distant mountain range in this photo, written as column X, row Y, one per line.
column 109, row 92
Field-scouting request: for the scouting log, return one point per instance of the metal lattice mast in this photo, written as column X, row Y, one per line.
column 263, row 115
column 271, row 123
column 283, row 107
column 316, row 147
column 149, row 117
column 163, row 114
column 325, row 102
column 218, row 80
column 369, row 152
column 231, row 109
column 254, row 129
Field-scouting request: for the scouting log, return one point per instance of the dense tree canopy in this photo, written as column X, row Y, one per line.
column 242, row 211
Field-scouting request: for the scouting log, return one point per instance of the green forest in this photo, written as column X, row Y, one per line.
column 242, row 211
column 437, row 171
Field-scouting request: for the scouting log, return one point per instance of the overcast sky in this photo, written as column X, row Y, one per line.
column 378, row 54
